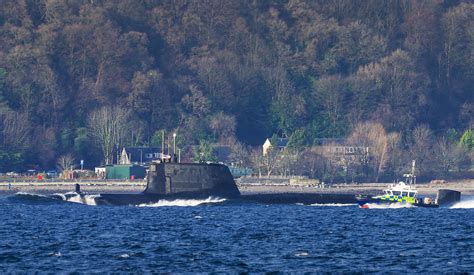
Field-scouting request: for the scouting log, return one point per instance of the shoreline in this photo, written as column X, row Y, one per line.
column 64, row 187
column 466, row 187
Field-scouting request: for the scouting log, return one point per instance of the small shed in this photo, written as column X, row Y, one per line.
column 238, row 172
column 125, row 171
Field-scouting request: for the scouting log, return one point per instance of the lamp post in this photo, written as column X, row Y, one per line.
column 174, row 143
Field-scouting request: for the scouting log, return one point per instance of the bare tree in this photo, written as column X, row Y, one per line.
column 223, row 127
column 15, row 130
column 270, row 160
column 421, row 149
column 330, row 91
column 398, row 159
column 108, row 127
column 256, row 158
column 312, row 164
column 286, row 162
column 373, row 136
column 267, row 163
column 196, row 103
column 240, row 154
column 449, row 156
column 66, row 162
column 333, row 167
column 348, row 164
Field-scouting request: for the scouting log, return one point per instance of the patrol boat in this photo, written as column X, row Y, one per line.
column 404, row 192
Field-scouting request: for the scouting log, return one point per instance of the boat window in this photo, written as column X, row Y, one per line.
column 396, row 193
column 404, row 194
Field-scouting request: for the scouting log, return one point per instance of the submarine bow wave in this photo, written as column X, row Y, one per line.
column 183, row 202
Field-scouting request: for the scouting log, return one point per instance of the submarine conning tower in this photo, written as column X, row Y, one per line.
column 448, row 197
column 171, row 178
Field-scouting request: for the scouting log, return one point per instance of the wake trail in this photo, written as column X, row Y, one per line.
column 464, row 203
column 389, row 205
column 183, row 202
column 334, row 204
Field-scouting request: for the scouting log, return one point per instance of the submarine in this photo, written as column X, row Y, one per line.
column 175, row 180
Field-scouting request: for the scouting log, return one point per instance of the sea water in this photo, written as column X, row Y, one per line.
column 42, row 234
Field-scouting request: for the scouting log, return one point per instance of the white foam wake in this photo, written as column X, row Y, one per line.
column 183, row 202
column 76, row 198
column 84, row 199
column 334, row 204
column 388, row 205
column 469, row 203
column 30, row 194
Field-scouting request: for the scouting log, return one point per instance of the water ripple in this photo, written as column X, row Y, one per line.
column 43, row 236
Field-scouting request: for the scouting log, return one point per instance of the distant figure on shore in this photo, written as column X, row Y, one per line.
column 9, row 186
column 78, row 188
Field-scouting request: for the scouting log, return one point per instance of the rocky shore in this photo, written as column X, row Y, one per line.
column 64, row 187
column 466, row 187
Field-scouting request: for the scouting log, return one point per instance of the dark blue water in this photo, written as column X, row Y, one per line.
column 44, row 235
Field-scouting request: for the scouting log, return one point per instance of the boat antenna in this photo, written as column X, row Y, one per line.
column 413, row 163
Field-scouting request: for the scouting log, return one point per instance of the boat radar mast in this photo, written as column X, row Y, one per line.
column 411, row 178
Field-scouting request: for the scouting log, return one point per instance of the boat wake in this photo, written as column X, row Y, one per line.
column 183, row 202
column 464, row 203
column 388, row 205
column 334, row 204
column 31, row 198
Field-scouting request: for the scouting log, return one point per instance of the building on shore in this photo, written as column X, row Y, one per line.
column 280, row 144
column 140, row 155
column 125, row 172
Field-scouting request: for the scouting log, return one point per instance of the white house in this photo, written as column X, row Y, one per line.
column 281, row 144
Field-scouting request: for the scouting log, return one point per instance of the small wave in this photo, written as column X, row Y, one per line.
column 56, row 254
column 183, row 202
column 301, row 253
column 466, row 204
column 334, row 204
column 81, row 198
column 388, row 205
column 67, row 197
column 25, row 194
column 32, row 198
column 60, row 196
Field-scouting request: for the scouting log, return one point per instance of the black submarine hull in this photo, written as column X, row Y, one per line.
column 143, row 198
column 277, row 198
column 171, row 181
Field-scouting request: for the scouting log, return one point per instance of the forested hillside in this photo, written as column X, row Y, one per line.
column 223, row 71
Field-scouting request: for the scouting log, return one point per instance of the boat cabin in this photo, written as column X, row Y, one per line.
column 401, row 189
